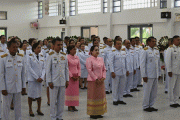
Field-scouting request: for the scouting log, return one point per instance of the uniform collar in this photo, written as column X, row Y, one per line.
column 11, row 55
column 150, row 48
column 175, row 46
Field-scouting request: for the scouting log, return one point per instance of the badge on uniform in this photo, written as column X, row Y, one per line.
column 55, row 58
column 18, row 61
column 42, row 60
column 9, row 60
column 62, row 58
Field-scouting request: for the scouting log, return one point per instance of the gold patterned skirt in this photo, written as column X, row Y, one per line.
column 96, row 99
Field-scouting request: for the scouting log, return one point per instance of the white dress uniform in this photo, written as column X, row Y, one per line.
column 108, row 80
column 119, row 65
column 150, row 68
column 137, row 60
column 3, row 47
column 90, row 45
column 36, row 69
column 167, row 76
column 139, row 78
column 57, row 72
column 173, row 65
column 83, row 55
column 64, row 50
column 12, row 79
column 44, row 50
column 132, row 67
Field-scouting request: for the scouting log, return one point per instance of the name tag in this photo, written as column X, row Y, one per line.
column 9, row 60
column 55, row 59
column 18, row 61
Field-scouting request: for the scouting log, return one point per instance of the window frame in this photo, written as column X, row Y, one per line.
column 70, row 11
column 63, row 8
column 116, row 6
column 40, row 10
column 104, row 6
column 58, row 8
column 5, row 31
column 141, row 30
column 175, row 4
column 161, row 2
column 5, row 15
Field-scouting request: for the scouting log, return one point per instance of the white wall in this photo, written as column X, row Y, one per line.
column 19, row 16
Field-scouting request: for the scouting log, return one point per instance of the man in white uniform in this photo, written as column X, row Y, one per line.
column 151, row 71
column 3, row 45
column 12, row 79
column 173, row 69
column 57, row 76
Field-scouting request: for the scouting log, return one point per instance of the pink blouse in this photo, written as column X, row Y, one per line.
column 96, row 68
column 74, row 66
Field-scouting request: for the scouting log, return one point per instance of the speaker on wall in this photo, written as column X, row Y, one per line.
column 62, row 21
column 166, row 15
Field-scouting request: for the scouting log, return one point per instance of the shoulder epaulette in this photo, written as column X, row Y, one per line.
column 51, row 53
column 47, row 51
column 90, row 42
column 65, row 46
column 21, row 49
column 171, row 46
column 41, row 55
column 63, row 53
column 104, row 46
column 1, row 51
column 145, row 48
column 137, row 46
column 156, row 48
column 30, row 54
column 113, row 50
column 86, row 45
column 2, row 56
column 140, row 44
column 79, row 50
column 123, row 49
column 20, row 55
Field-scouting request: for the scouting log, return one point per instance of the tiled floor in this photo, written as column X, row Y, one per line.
column 131, row 111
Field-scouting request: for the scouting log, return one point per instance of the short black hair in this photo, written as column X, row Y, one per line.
column 44, row 41
column 94, row 41
column 149, row 39
column 116, row 37
column 70, row 41
column 136, row 37
column 39, row 41
column 92, row 48
column 31, row 40
column 34, row 46
column 131, row 39
column 24, row 41
column 105, row 38
column 174, row 37
column 69, row 48
column 13, row 40
column 76, row 42
column 116, row 41
column 2, row 36
column 92, row 36
column 56, row 39
column 66, row 38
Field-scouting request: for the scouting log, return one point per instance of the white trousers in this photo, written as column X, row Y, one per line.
column 128, row 83
column 17, row 105
column 174, row 89
column 150, row 92
column 139, row 77
column 57, row 99
column 108, row 81
column 118, row 85
column 0, row 105
column 135, row 79
column 167, row 81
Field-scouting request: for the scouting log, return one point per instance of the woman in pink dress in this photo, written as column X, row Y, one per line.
column 72, row 91
column 96, row 97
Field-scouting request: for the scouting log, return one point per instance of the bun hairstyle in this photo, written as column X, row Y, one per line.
column 69, row 48
column 92, row 49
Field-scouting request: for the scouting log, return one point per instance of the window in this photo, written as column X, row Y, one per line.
column 54, row 8
column 63, row 8
column 86, row 32
column 89, row 6
column 3, row 31
column 105, row 5
column 3, row 15
column 141, row 31
column 135, row 4
column 163, row 3
column 40, row 10
column 72, row 7
column 116, row 5
column 176, row 3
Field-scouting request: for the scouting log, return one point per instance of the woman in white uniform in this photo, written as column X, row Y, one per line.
column 83, row 55
column 36, row 74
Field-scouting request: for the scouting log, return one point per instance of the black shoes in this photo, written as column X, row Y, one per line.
column 127, row 95
column 96, row 116
column 174, row 105
column 40, row 113
column 107, row 92
column 115, row 102
column 148, row 110
column 177, row 105
column 139, row 85
column 111, row 91
column 121, row 102
column 166, row 92
column 135, row 89
column 132, row 90
column 153, row 109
